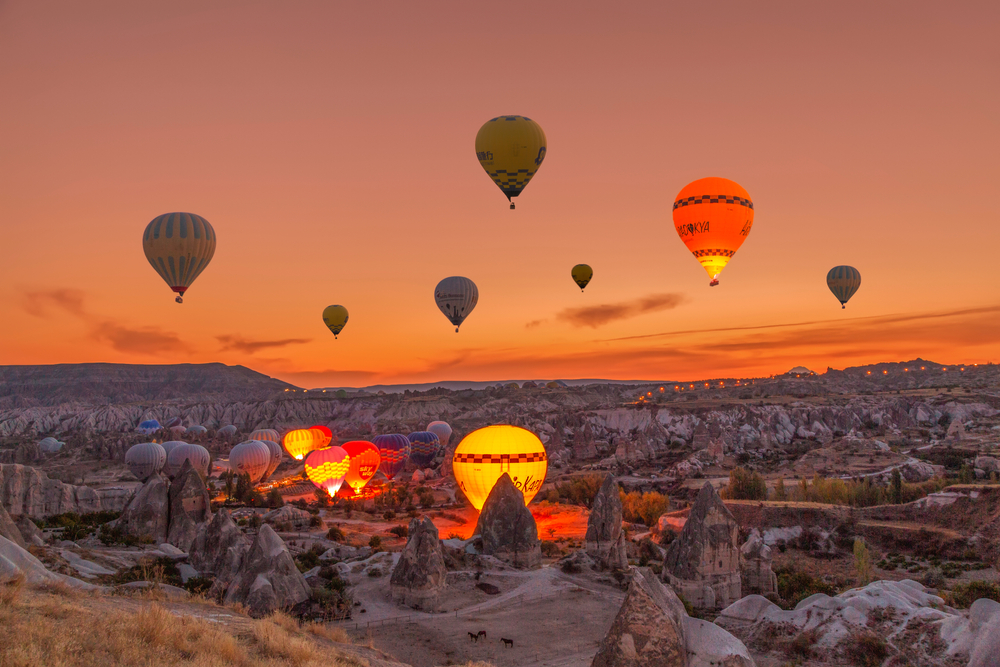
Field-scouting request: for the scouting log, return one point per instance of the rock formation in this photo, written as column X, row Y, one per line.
column 148, row 514
column 756, row 575
column 219, row 548
column 190, row 507
column 268, row 579
column 29, row 491
column 288, row 518
column 653, row 630
column 9, row 529
column 703, row 564
column 30, row 532
column 15, row 561
column 418, row 580
column 507, row 528
column 605, row 541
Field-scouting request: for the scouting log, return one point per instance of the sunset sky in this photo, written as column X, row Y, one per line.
column 331, row 145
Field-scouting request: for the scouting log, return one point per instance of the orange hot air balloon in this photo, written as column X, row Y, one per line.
column 300, row 442
column 324, row 436
column 365, row 460
column 713, row 216
column 327, row 468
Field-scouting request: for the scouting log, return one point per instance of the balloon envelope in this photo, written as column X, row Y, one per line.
column 265, row 434
column 324, row 436
column 487, row 453
column 326, row 468
column 200, row 458
column 511, row 149
column 713, row 217
column 365, row 460
column 335, row 318
column 300, row 442
column 424, row 446
column 276, row 452
column 393, row 450
column 843, row 281
column 179, row 246
column 441, row 430
column 145, row 459
column 149, row 426
column 456, row 297
column 252, row 458
column 582, row 273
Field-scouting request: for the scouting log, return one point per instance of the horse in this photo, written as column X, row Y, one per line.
column 482, row 633
column 507, row 643
column 473, row 636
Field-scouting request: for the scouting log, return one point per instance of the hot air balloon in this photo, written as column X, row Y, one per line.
column 441, row 430
column 365, row 460
column 713, row 217
column 510, row 149
column 275, row 449
column 393, row 450
column 326, row 468
column 582, row 273
column 145, row 460
column 456, row 297
column 179, row 246
column 200, row 458
column 300, row 442
column 487, row 453
column 252, row 458
column 324, row 436
column 197, row 429
column 265, row 434
column 149, row 427
column 424, row 446
column 335, row 317
column 50, row 445
column 228, row 431
column 843, row 281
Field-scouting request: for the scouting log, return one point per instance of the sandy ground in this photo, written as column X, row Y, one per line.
column 554, row 619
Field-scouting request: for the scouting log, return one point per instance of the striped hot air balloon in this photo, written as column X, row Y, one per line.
column 487, row 453
column 145, row 460
column 300, row 442
column 200, row 458
column 265, row 434
column 424, row 446
column 251, row 457
column 393, row 450
column 327, row 468
column 179, row 246
column 324, row 436
column 364, row 463
column 843, row 281
column 441, row 430
column 456, row 297
column 276, row 451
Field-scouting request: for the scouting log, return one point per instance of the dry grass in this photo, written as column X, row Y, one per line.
column 49, row 628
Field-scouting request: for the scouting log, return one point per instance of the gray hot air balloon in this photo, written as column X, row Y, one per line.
column 265, row 434
column 197, row 429
column 228, row 431
column 50, row 445
column 168, row 447
column 251, row 457
column 145, row 459
column 276, row 453
column 200, row 458
column 441, row 430
column 456, row 297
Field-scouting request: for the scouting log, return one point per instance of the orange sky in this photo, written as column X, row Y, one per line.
column 331, row 146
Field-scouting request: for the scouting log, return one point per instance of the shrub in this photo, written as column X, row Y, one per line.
column 645, row 508
column 315, row 521
column 550, row 549
column 335, row 534
column 375, row 543
column 426, row 497
column 307, row 560
column 198, row 585
column 274, row 499
column 745, row 485
column 581, row 490
column 389, row 515
column 963, row 595
column 400, row 531
column 569, row 567
column 866, row 649
column 795, row 586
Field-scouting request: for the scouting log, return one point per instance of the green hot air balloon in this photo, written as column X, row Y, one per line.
column 843, row 281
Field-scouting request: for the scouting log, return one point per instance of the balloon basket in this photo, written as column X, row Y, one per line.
column 713, row 283
column 512, row 206
column 179, row 300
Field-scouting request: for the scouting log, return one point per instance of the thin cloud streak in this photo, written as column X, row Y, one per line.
column 240, row 344
column 598, row 316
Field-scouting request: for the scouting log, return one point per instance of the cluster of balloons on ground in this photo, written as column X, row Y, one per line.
column 712, row 216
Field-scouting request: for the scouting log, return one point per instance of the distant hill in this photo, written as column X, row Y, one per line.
column 459, row 385
column 102, row 384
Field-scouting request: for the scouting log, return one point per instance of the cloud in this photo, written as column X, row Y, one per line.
column 534, row 323
column 240, row 344
column 597, row 316
column 144, row 340
column 41, row 304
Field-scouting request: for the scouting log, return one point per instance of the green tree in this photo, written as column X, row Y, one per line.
column 745, row 485
column 897, row 487
column 322, row 497
column 779, row 490
column 862, row 562
column 244, row 488
column 274, row 499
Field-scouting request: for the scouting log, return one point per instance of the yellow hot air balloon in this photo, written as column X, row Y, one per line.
column 582, row 273
column 327, row 468
column 335, row 317
column 486, row 454
column 179, row 246
column 511, row 149
column 300, row 442
column 713, row 217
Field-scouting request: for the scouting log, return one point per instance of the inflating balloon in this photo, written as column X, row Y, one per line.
column 713, row 217
column 456, row 297
column 365, row 460
column 251, row 458
column 441, row 430
column 843, row 281
column 424, row 446
column 335, row 318
column 326, row 468
column 324, row 436
column 486, row 454
column 582, row 273
column 300, row 442
column 393, row 450
column 511, row 149
column 179, row 246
